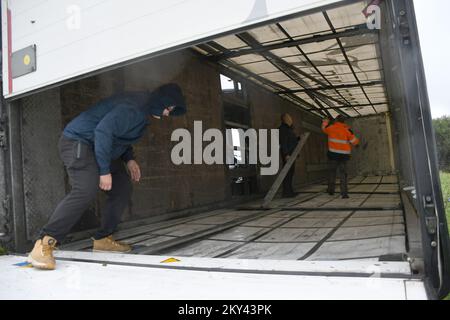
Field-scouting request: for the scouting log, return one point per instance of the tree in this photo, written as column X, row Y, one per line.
column 442, row 131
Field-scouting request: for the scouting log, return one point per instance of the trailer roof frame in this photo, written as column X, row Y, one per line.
column 321, row 75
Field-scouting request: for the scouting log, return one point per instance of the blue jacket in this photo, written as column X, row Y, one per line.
column 114, row 124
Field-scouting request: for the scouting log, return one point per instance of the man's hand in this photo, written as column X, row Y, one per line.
column 134, row 169
column 106, row 182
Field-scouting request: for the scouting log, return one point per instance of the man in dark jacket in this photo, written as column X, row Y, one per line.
column 288, row 142
column 95, row 147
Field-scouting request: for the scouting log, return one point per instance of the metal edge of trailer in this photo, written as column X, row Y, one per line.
column 182, row 46
column 429, row 202
column 294, row 267
column 12, row 212
column 191, row 283
column 4, row 215
column 12, row 193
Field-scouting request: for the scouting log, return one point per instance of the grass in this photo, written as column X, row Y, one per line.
column 445, row 183
column 3, row 251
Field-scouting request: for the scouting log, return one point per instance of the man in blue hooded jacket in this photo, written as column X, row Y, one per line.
column 95, row 147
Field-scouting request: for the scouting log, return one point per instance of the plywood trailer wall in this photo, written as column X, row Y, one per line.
column 164, row 187
column 375, row 154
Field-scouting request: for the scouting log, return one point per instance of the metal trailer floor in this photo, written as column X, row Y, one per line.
column 314, row 246
column 313, row 226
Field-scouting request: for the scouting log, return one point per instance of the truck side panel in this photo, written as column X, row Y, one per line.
column 71, row 39
column 415, row 140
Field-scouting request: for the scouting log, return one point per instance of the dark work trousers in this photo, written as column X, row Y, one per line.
column 287, row 182
column 81, row 166
column 341, row 166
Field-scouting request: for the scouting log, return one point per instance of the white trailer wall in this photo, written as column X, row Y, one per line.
column 76, row 37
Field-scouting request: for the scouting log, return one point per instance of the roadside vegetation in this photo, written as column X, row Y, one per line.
column 445, row 182
column 442, row 133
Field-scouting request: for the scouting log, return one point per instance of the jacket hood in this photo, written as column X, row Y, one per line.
column 341, row 124
column 166, row 96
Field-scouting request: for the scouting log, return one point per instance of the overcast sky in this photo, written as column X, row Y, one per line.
column 433, row 19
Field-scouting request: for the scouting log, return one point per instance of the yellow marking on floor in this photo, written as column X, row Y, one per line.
column 170, row 260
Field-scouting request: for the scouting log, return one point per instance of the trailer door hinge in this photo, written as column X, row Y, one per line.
column 3, row 141
column 6, row 203
column 431, row 223
column 404, row 28
column 428, row 202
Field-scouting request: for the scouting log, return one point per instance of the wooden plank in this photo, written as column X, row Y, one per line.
column 279, row 180
column 197, row 235
column 210, row 231
column 144, row 229
column 278, row 202
column 163, row 217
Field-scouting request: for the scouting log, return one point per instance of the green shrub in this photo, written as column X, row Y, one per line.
column 442, row 132
column 445, row 183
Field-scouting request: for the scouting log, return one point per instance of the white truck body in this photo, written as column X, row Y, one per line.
column 49, row 43
column 76, row 37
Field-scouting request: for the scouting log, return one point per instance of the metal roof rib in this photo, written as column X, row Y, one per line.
column 327, row 18
column 291, row 71
column 315, row 67
column 302, row 103
column 273, row 59
column 327, row 63
column 354, row 31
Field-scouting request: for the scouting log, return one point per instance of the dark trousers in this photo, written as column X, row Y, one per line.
column 81, row 167
column 287, row 182
column 341, row 166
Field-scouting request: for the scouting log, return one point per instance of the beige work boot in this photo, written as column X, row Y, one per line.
column 41, row 256
column 108, row 244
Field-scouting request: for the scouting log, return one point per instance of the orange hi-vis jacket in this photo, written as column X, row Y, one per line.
column 340, row 137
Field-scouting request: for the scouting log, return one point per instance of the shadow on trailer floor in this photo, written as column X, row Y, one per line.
column 313, row 226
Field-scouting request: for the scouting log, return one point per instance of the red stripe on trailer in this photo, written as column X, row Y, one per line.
column 372, row 3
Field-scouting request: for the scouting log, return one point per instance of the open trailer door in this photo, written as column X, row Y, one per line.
column 426, row 191
column 50, row 42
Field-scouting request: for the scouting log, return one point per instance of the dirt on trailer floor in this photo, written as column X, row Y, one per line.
column 312, row 226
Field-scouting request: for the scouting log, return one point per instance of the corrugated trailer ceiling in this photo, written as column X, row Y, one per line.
column 328, row 63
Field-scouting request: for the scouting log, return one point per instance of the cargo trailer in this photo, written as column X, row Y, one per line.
column 202, row 228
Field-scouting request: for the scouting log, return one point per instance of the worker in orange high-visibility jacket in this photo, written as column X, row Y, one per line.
column 340, row 142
